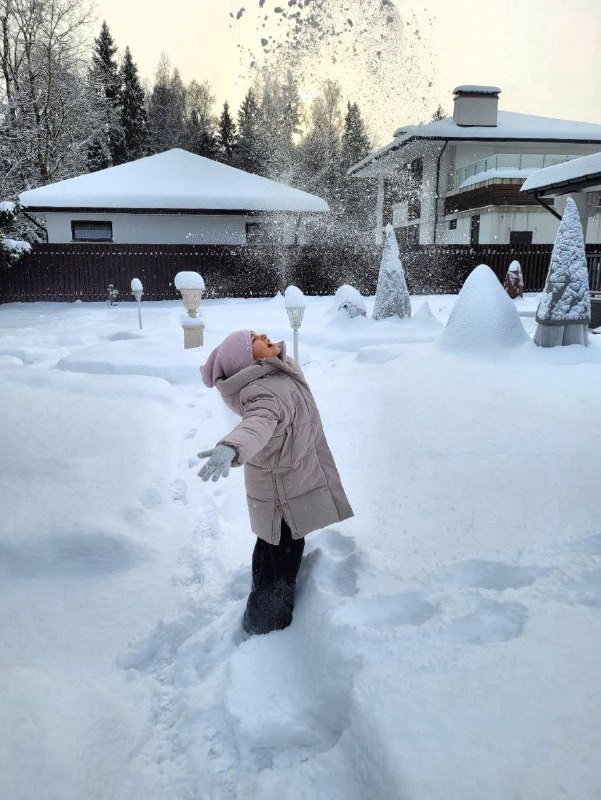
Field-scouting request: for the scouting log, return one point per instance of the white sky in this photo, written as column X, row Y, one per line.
column 544, row 54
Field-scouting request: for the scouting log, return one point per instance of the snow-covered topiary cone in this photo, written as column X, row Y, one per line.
column 564, row 311
column 392, row 295
column 483, row 318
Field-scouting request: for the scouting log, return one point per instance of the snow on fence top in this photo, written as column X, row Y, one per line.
column 175, row 179
column 189, row 280
column 6, row 207
column 567, row 172
column 510, row 125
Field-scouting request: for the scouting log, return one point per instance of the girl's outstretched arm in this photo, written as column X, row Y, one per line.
column 260, row 416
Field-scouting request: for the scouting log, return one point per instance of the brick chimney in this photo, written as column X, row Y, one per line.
column 476, row 105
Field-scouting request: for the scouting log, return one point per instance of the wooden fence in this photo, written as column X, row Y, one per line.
column 68, row 272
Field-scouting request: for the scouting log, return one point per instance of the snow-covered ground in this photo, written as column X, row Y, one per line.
column 446, row 641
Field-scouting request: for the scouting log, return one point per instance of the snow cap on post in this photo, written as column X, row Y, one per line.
column 294, row 298
column 392, row 295
column 566, row 298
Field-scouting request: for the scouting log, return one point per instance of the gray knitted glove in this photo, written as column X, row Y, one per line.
column 219, row 463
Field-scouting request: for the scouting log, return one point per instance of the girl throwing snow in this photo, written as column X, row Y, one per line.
column 292, row 484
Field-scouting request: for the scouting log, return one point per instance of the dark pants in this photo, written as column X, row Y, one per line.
column 274, row 570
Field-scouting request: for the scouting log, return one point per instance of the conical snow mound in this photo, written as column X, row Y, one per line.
column 483, row 318
column 392, row 295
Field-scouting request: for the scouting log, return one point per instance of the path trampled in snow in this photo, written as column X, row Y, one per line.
column 445, row 640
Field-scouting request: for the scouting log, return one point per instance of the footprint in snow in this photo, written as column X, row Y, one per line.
column 191, row 433
column 180, row 492
column 490, row 622
column 585, row 589
column 331, row 563
column 494, row 575
column 385, row 612
column 590, row 545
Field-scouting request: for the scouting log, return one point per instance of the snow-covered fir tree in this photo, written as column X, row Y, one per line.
column 11, row 250
column 167, row 109
column 133, row 115
column 564, row 311
column 392, row 295
column 358, row 197
column 439, row 114
column 105, row 88
column 201, row 136
column 321, row 148
column 246, row 155
column 227, row 135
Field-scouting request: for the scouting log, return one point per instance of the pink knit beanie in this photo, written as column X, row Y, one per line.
column 233, row 354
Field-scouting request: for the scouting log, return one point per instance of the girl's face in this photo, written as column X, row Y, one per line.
column 263, row 347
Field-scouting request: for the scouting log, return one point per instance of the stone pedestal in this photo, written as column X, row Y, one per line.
column 193, row 332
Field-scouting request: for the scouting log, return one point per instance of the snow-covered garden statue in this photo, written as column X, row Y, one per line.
column 514, row 281
column 350, row 302
column 112, row 295
column 191, row 286
column 11, row 250
column 564, row 311
column 392, row 295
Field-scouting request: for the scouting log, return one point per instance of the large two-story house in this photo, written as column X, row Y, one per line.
column 458, row 180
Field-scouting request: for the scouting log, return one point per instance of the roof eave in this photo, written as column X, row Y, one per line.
column 581, row 183
column 553, row 140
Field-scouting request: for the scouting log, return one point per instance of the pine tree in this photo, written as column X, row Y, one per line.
column 392, row 295
column 227, row 135
column 167, row 109
column 358, row 196
column 247, row 155
column 321, row 149
column 105, row 86
column 132, row 113
column 99, row 156
column 564, row 310
column 200, row 123
column 10, row 251
column 439, row 114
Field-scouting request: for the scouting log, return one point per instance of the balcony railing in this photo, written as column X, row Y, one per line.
column 505, row 161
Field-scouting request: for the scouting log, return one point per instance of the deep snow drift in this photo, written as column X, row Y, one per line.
column 446, row 641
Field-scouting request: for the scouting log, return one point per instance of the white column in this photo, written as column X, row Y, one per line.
column 380, row 211
column 428, row 200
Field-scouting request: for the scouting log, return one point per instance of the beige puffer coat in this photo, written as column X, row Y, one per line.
column 289, row 470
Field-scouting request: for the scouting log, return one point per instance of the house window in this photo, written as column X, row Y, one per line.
column 263, row 233
column 84, row 231
column 452, row 224
column 520, row 237
column 475, row 230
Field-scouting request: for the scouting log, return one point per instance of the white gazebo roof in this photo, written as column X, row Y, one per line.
column 174, row 180
column 577, row 173
column 510, row 126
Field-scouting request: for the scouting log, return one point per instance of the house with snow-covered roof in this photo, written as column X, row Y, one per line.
column 457, row 180
column 175, row 197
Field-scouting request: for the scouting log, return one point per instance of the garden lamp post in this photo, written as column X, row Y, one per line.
column 295, row 303
column 137, row 291
column 191, row 286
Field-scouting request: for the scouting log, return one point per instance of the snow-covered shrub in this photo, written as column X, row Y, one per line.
column 349, row 301
column 392, row 295
column 483, row 317
column 11, row 250
column 514, row 281
column 564, row 311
